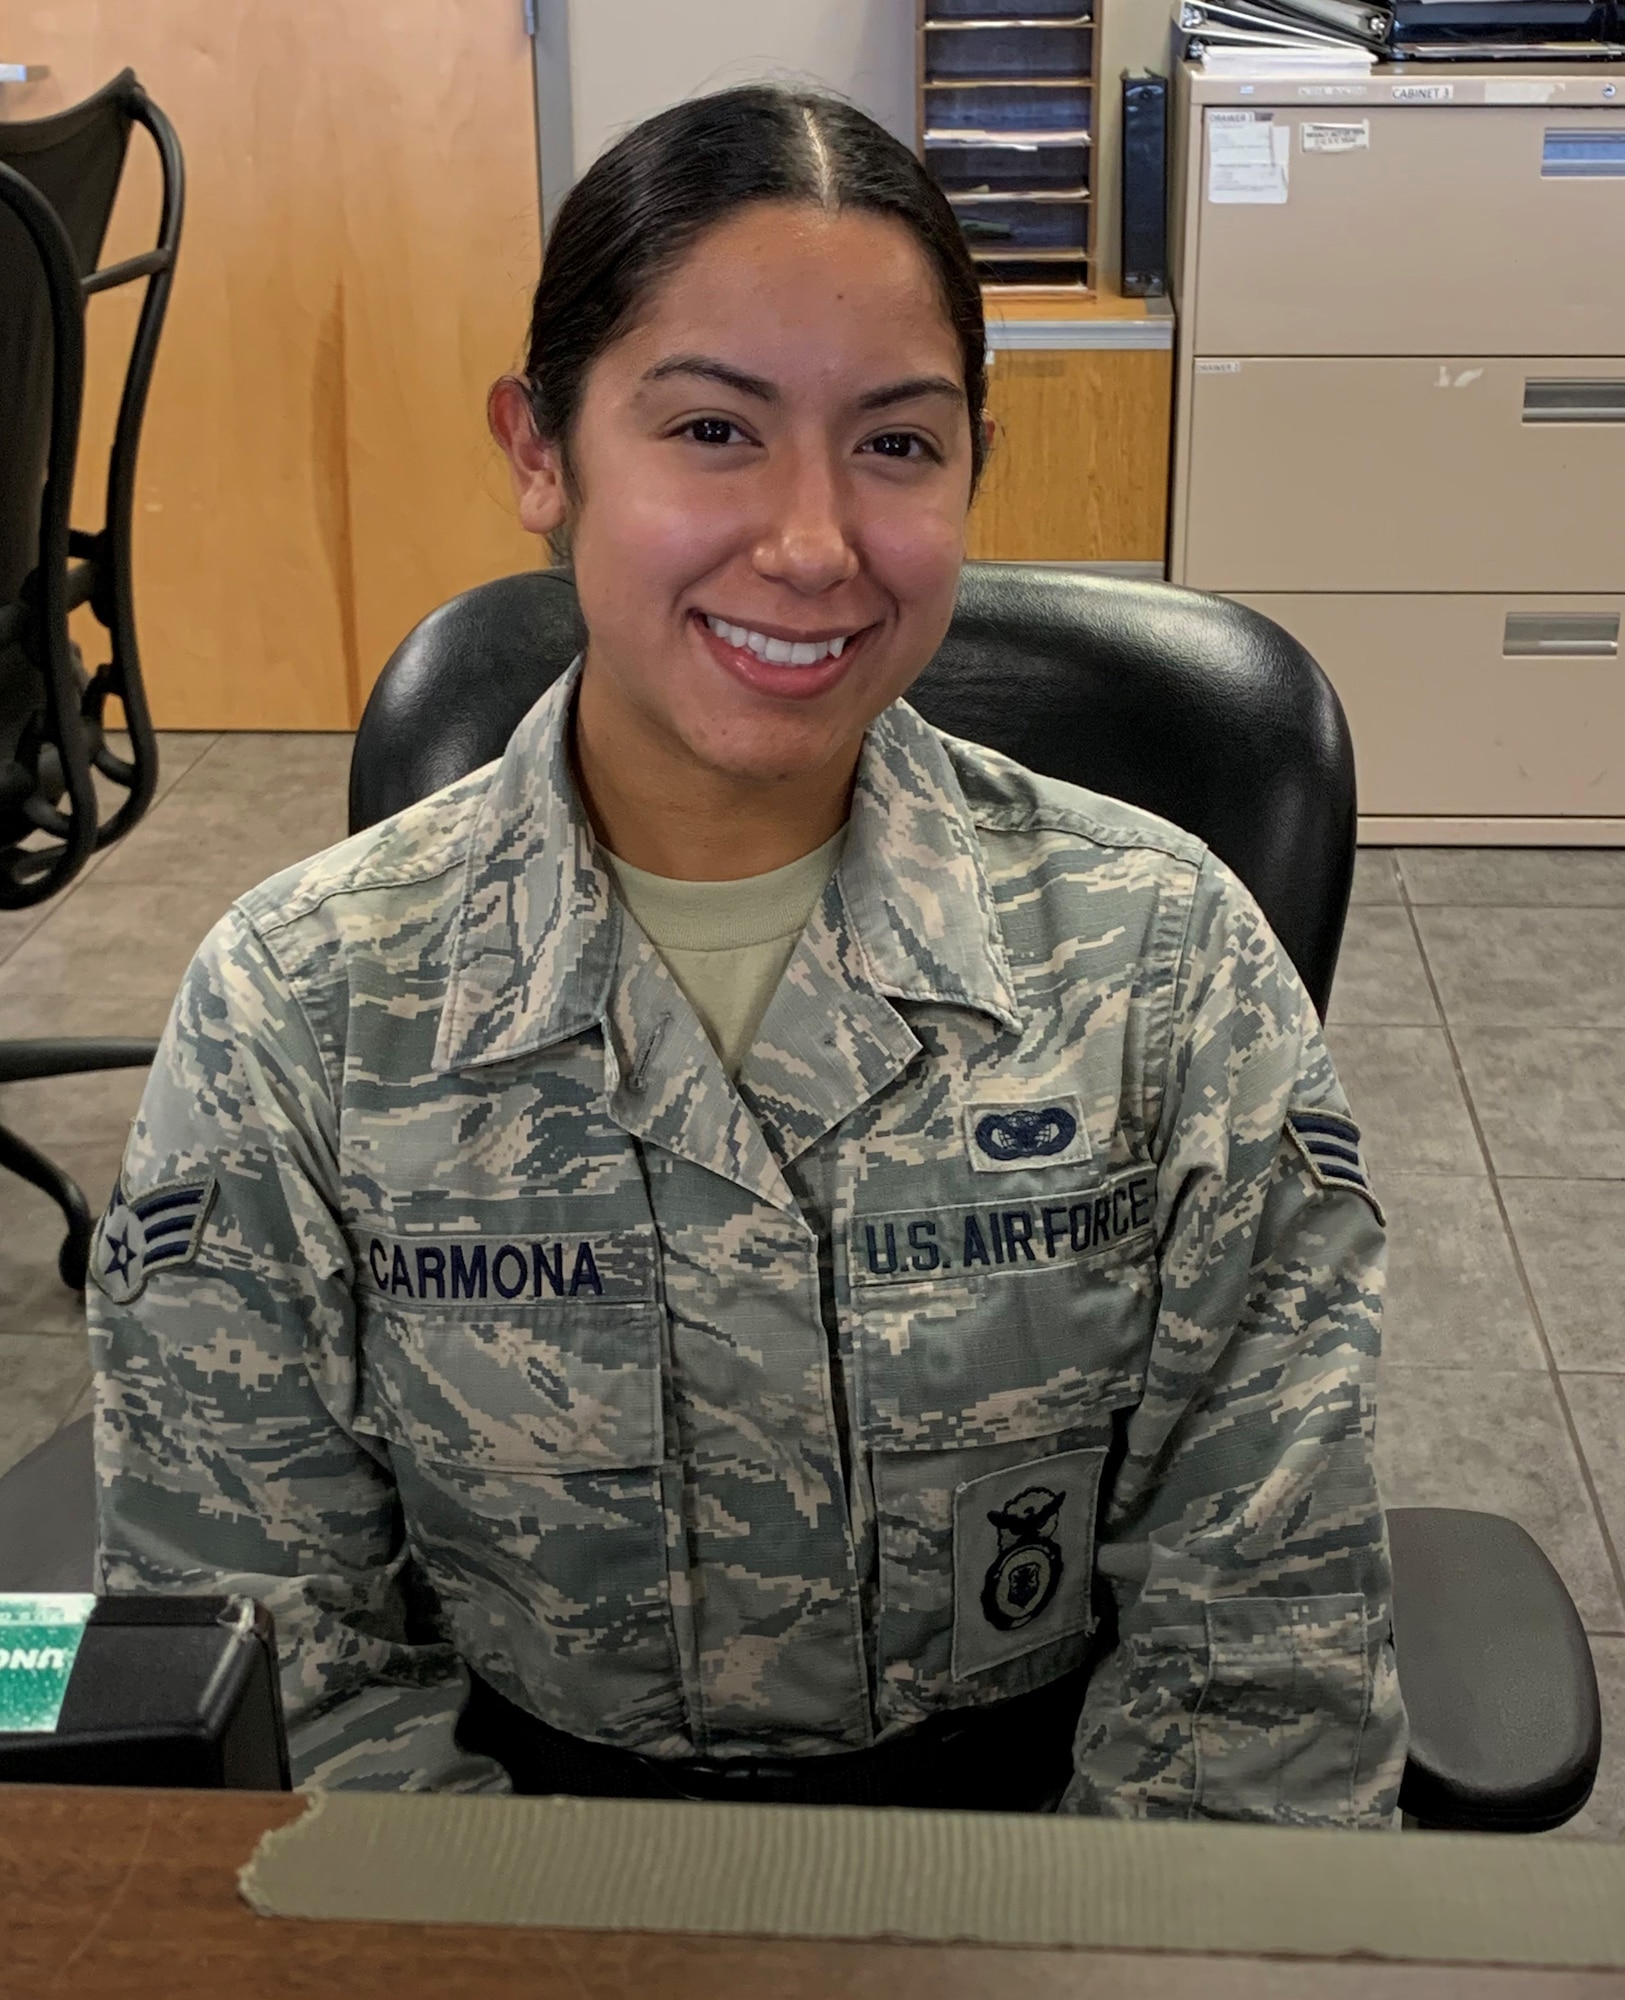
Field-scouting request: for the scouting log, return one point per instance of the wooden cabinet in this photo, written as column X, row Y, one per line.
column 1080, row 398
column 361, row 239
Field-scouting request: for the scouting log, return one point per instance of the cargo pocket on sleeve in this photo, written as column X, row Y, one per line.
column 1283, row 1708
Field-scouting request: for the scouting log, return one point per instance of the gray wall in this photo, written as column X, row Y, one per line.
column 630, row 57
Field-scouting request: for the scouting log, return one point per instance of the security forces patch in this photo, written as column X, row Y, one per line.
column 1002, row 1138
column 1024, row 1553
column 1026, row 1573
column 147, row 1232
column 1330, row 1145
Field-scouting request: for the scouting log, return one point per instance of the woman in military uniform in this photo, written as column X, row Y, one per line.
column 750, row 1249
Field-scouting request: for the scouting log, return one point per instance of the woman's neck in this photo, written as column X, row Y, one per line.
column 653, row 805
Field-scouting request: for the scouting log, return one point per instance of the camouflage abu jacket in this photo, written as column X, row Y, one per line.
column 456, row 1305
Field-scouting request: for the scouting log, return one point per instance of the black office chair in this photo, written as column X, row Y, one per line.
column 1209, row 714
column 58, row 179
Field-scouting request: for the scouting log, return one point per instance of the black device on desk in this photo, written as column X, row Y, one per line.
column 167, row 1691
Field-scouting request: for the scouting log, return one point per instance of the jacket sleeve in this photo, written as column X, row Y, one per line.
column 1242, row 1540
column 226, row 1371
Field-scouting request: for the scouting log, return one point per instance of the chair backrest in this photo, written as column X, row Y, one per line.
column 75, row 160
column 59, row 177
column 1195, row 708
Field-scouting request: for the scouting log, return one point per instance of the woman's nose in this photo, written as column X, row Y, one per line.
column 807, row 543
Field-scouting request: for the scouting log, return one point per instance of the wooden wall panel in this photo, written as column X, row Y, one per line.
column 442, row 248
column 361, row 225
column 1079, row 469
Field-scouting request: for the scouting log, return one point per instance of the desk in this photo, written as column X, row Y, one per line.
column 134, row 1894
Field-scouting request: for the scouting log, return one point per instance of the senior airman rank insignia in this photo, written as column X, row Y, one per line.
column 147, row 1232
column 1330, row 1146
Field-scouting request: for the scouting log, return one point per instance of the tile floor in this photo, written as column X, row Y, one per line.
column 1477, row 1025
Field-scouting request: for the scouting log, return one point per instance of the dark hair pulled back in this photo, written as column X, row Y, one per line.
column 641, row 206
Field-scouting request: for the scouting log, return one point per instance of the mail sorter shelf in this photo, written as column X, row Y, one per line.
column 1009, row 110
column 1015, row 51
column 1002, row 12
column 1006, row 120
column 1026, row 227
column 967, row 171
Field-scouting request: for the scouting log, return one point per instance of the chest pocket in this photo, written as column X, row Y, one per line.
column 526, row 1432
column 993, row 1343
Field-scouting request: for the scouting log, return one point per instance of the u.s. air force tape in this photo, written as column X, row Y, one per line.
column 908, row 1246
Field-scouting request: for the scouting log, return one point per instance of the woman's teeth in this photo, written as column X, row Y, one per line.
column 778, row 652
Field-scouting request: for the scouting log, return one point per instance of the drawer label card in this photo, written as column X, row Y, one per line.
column 1319, row 136
column 1247, row 158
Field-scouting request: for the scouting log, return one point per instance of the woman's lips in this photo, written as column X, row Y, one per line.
column 783, row 682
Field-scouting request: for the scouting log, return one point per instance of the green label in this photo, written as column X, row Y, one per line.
column 39, row 1639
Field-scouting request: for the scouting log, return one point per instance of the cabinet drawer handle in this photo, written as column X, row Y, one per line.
column 1565, row 399
column 1539, row 635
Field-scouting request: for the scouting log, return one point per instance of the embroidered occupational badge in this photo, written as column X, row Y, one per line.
column 1330, row 1145
column 146, row 1233
column 1024, row 1541
column 1000, row 1138
column 1026, row 1573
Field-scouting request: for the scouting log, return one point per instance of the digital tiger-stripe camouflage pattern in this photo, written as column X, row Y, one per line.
column 1020, row 1304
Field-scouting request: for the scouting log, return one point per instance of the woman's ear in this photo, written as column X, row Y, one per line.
column 536, row 463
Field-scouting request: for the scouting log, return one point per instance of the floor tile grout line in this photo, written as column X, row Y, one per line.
column 53, row 905
column 1554, row 1373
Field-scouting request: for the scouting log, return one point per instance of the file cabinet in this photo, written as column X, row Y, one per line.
column 1400, row 424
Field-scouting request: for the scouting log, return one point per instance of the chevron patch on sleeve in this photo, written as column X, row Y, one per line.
column 1330, row 1145
column 143, row 1233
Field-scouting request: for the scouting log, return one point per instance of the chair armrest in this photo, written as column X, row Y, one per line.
column 48, row 1515
column 1506, row 1724
column 80, row 1055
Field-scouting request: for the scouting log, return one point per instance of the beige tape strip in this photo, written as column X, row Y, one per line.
column 794, row 1871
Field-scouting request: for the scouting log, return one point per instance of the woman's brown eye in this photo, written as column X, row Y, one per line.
column 710, row 430
column 897, row 444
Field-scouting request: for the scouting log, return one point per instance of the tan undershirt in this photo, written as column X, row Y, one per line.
column 727, row 943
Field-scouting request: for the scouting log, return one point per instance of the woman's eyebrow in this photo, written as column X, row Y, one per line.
column 910, row 390
column 714, row 371
column 711, row 370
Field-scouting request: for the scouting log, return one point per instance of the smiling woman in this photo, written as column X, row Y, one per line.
column 750, row 1249
column 753, row 412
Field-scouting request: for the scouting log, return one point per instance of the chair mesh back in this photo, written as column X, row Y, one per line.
column 74, row 159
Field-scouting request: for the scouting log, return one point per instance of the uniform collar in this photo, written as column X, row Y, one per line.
column 537, row 929
column 912, row 877
column 536, row 935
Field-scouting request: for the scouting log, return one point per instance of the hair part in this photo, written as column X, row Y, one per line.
column 641, row 207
